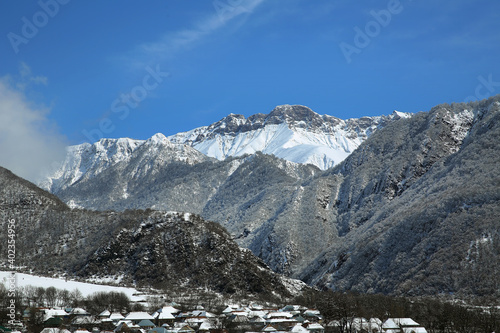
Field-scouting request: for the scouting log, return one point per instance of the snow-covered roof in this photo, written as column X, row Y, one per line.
column 312, row 312
column 314, row 326
column 279, row 314
column 298, row 328
column 163, row 315
column 79, row 311
column 389, row 324
column 49, row 313
column 255, row 306
column 281, row 320
column 405, row 322
column 128, row 323
column 400, row 322
column 85, row 320
column 169, row 309
column 195, row 321
column 229, row 309
column 202, row 313
column 116, row 316
column 105, row 313
column 138, row 316
column 205, row 326
column 238, row 319
column 293, row 308
column 259, row 313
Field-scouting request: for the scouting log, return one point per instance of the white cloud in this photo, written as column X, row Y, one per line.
column 27, row 78
column 171, row 43
column 29, row 143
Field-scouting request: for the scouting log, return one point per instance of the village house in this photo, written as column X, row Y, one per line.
column 164, row 316
column 405, row 325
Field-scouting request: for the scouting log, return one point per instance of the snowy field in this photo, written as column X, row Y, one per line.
column 85, row 288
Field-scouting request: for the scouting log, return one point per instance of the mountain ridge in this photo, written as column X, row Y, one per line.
column 293, row 132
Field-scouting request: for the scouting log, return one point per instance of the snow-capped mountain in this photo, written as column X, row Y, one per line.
column 85, row 161
column 292, row 132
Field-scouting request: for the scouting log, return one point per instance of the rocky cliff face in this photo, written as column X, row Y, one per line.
column 86, row 161
column 417, row 207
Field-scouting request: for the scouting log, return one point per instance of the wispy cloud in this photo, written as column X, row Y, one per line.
column 171, row 43
column 29, row 142
column 27, row 78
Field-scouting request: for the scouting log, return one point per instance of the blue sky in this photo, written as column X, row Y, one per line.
column 100, row 67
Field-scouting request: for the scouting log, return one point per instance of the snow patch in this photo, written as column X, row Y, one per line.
column 23, row 280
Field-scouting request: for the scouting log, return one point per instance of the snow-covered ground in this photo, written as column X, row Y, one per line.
column 86, row 289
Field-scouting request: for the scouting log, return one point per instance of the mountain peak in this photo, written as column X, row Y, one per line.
column 293, row 132
column 158, row 139
column 291, row 114
column 296, row 112
column 400, row 115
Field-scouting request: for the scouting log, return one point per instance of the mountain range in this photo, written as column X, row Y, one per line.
column 291, row 132
column 399, row 204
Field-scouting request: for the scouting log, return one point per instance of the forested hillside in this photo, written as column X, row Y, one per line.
column 171, row 251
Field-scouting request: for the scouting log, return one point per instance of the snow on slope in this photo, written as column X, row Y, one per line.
column 23, row 280
column 291, row 132
column 87, row 160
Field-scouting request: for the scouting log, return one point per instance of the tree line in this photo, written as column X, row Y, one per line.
column 436, row 315
column 32, row 300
